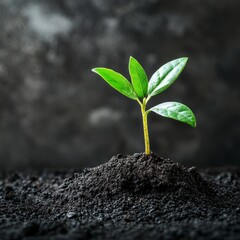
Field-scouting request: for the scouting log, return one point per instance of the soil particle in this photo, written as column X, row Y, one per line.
column 129, row 197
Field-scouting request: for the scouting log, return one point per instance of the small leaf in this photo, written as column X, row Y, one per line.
column 177, row 111
column 138, row 77
column 117, row 81
column 165, row 76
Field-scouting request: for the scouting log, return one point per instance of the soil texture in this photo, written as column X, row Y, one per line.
column 129, row 197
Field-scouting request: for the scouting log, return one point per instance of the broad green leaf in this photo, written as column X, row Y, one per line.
column 165, row 76
column 117, row 81
column 138, row 77
column 177, row 111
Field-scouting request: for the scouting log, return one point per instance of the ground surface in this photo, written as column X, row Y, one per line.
column 129, row 197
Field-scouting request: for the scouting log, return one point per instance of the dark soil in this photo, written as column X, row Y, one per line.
column 129, row 197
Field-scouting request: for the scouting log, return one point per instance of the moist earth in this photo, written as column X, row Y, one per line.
column 129, row 197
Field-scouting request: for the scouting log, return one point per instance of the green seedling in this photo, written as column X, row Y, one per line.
column 143, row 90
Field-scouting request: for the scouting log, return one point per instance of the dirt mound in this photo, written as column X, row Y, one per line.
column 136, row 174
column 124, row 186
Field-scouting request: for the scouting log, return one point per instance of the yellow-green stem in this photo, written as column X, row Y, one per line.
column 145, row 127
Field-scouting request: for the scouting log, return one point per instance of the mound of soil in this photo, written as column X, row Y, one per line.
column 129, row 197
column 137, row 175
column 124, row 186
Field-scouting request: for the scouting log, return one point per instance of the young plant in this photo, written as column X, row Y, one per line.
column 142, row 90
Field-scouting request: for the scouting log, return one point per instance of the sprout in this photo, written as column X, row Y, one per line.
column 142, row 90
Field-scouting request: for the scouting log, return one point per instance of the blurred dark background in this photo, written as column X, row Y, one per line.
column 54, row 112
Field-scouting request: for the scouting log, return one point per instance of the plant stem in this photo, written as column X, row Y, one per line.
column 145, row 127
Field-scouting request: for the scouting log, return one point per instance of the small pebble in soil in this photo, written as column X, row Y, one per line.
column 71, row 214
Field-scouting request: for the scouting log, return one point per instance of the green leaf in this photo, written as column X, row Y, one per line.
column 165, row 76
column 117, row 81
column 177, row 111
column 138, row 77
